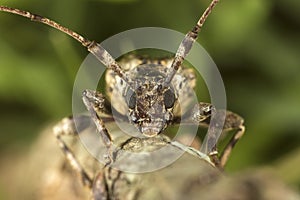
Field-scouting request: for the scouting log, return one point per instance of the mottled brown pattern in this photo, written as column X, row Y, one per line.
column 145, row 93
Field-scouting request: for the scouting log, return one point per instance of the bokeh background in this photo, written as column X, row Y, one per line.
column 255, row 44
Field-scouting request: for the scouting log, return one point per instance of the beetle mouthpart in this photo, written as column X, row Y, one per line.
column 151, row 129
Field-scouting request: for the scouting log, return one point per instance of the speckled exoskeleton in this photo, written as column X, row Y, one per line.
column 147, row 91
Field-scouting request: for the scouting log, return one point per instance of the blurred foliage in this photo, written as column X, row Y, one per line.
column 255, row 44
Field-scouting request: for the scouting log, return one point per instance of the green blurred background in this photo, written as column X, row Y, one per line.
column 255, row 44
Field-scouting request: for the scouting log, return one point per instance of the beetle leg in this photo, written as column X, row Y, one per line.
column 95, row 101
column 202, row 114
column 67, row 127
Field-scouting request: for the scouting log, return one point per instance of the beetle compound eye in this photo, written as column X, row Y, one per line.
column 131, row 99
column 169, row 98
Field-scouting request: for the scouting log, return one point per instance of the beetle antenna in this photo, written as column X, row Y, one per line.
column 187, row 43
column 96, row 49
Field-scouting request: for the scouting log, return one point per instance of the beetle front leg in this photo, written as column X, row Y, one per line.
column 202, row 114
column 95, row 101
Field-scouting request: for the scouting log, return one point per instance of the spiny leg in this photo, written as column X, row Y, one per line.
column 66, row 127
column 95, row 101
column 187, row 43
column 96, row 49
column 201, row 114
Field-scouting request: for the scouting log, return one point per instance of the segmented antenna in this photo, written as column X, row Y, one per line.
column 187, row 43
column 96, row 49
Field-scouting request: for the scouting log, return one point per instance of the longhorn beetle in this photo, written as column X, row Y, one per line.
column 150, row 101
